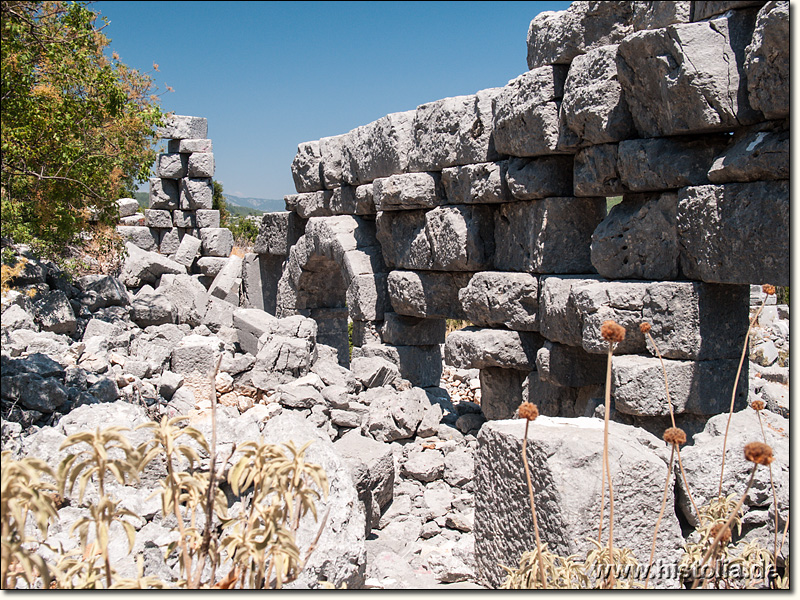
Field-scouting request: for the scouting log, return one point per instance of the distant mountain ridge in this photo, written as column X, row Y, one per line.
column 260, row 204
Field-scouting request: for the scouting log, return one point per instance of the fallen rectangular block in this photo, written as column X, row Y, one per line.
column 427, row 295
column 476, row 348
column 251, row 324
column 210, row 266
column 188, row 250
column 228, row 281
column 421, row 365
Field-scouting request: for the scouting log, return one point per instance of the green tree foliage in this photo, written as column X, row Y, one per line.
column 218, row 203
column 77, row 126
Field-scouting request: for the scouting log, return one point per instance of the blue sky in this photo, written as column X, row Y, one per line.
column 269, row 75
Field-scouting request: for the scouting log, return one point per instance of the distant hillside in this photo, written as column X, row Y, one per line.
column 143, row 198
column 260, row 204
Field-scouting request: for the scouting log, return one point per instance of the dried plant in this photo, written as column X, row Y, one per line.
column 529, row 412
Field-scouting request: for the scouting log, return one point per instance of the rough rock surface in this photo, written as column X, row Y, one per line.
column 767, row 61
column 499, row 298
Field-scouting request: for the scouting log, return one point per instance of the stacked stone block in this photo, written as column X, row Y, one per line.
column 181, row 222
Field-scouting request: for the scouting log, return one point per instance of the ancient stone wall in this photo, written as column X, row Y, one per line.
column 493, row 208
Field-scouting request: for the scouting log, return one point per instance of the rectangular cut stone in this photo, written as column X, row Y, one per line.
column 427, row 294
column 401, row 330
column 210, row 266
column 164, row 193
column 311, row 204
column 494, row 298
column 188, row 250
column 696, row 387
column 421, row 365
column 595, row 172
column 408, row 191
column 180, row 127
column 365, row 200
column 655, row 15
column 758, row 154
column 171, row 166
column 569, row 366
column 226, row 284
column 767, row 61
column 143, row 237
column 667, row 163
column 542, row 177
column 367, row 297
column 185, row 219
column 196, row 193
column 127, row 207
column 332, row 159
column 476, row 348
column 189, row 146
column 379, row 149
column 217, row 241
column 447, row 238
column 332, row 331
column 201, row 164
column 484, row 183
column 207, row 218
column 170, row 241
column 250, row 325
column 559, row 400
column 735, row 233
column 363, row 262
column 547, row 236
column 688, row 78
column 157, row 218
column 526, row 113
column 501, row 392
column 278, row 232
column 559, row 319
column 454, row 131
column 307, row 168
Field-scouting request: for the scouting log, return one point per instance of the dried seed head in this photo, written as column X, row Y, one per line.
column 726, row 535
column 758, row 405
column 759, row 453
column 612, row 332
column 528, row 411
column 675, row 435
column 645, row 327
column 768, row 289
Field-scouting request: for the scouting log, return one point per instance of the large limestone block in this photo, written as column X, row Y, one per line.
column 196, row 192
column 559, row 320
column 188, row 250
column 201, row 164
column 227, row 283
column 396, row 416
column 195, row 353
column 307, row 168
column 421, row 365
column 408, row 191
column 332, row 159
column 668, row 163
column 142, row 237
column 170, row 241
column 593, row 108
column 127, row 207
column 655, row 15
column 501, row 392
column 207, row 218
column 541, row 177
column 181, row 127
column 595, row 171
column 701, row 387
column 310, row 204
column 735, row 233
column 477, row 348
column 496, row 298
column 566, row 463
column 217, row 241
column 278, row 232
column 142, row 267
column 367, row 296
column 153, row 307
column 447, row 238
column 53, row 312
column 454, row 131
column 638, row 239
column 157, row 218
column 427, row 295
column 187, row 295
column 688, row 78
column 767, row 61
column 526, row 113
column 401, row 330
column 760, row 154
column 484, row 183
column 555, row 38
column 171, row 166
column 339, row 555
column 568, row 366
column 164, row 193
column 251, row 324
column 189, row 146
column 546, row 236
column 379, row 149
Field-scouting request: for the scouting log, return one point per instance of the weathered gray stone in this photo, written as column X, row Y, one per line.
column 307, row 168
column 735, row 233
column 196, row 353
column 667, row 163
column 332, row 158
column 594, row 108
column 141, row 267
column 185, row 219
column 526, row 113
column 109, row 291
column 558, row 400
column 753, row 155
column 219, row 314
column 188, row 146
column 195, row 192
column 459, row 468
column 595, row 171
column 210, row 266
column 294, row 395
column 127, row 207
column 421, row 365
column 187, row 295
column 34, row 392
column 475, row 348
column 408, row 191
column 251, row 324
column 16, row 317
column 655, row 15
column 568, row 366
column 454, row 131
column 565, row 457
column 703, row 9
column 501, row 392
column 136, row 220
column 374, row 371
column 546, row 236
column 171, row 166
column 367, row 297
column 555, row 38
column 638, row 239
column 284, row 354
column 311, row 204
column 395, row 415
column 427, row 295
column 447, row 238
column 201, row 164
column 181, row 127
column 378, row 149
column 164, row 193
column 559, row 320
column 207, row 218
column 227, row 283
column 53, row 312
column 278, row 232
column 542, row 177
column 484, row 183
column 412, row 331
column 425, row 466
column 170, row 241
column 188, row 250
column 495, row 298
column 688, row 78
column 365, row 201
column 767, row 61
column 153, row 308
column 217, row 241
column 143, row 237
